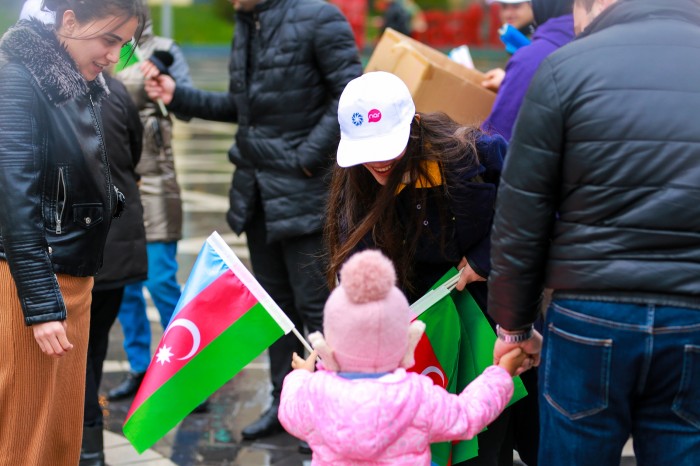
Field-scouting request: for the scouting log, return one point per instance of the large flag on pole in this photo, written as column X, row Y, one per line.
column 223, row 321
column 456, row 347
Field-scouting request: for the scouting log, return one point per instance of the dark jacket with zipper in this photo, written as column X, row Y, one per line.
column 599, row 196
column 56, row 194
column 125, row 258
column 290, row 61
column 469, row 193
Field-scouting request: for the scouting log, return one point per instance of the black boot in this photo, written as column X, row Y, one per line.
column 92, row 450
column 267, row 425
column 128, row 387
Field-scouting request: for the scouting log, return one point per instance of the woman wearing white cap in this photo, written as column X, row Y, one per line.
column 419, row 187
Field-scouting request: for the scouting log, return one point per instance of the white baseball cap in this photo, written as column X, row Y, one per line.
column 375, row 112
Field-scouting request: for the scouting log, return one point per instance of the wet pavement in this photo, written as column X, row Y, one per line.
column 212, row 438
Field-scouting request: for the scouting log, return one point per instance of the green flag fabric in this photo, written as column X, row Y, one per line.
column 462, row 340
column 128, row 56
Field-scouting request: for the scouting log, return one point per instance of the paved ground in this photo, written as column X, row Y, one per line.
column 211, row 438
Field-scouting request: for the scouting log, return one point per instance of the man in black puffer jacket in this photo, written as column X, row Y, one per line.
column 599, row 201
column 290, row 61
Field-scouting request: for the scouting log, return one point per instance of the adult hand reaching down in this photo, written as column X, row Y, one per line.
column 467, row 275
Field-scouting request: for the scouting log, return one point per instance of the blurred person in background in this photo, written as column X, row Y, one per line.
column 404, row 16
column 519, row 14
column 554, row 29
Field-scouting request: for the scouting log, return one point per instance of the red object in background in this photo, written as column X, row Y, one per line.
column 436, row 33
column 452, row 29
column 473, row 17
column 466, row 25
column 494, row 25
column 472, row 26
column 356, row 13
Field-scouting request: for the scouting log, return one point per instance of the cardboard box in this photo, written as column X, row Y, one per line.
column 437, row 83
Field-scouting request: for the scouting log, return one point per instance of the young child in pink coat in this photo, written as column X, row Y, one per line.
column 361, row 407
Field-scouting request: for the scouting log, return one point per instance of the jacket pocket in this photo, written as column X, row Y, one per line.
column 686, row 405
column 576, row 394
column 88, row 215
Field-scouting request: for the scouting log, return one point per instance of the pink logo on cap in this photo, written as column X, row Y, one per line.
column 374, row 116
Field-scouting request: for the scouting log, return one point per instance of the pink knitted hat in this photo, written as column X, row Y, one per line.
column 366, row 319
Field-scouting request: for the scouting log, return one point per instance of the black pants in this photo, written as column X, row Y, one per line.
column 495, row 446
column 103, row 313
column 292, row 272
column 525, row 419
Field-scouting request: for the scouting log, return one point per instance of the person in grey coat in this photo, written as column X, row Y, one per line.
column 290, row 61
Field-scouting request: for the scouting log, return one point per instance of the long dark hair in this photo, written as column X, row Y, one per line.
column 359, row 206
column 90, row 10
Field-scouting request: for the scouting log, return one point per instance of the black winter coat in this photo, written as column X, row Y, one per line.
column 599, row 196
column 125, row 259
column 290, row 61
column 470, row 200
column 56, row 194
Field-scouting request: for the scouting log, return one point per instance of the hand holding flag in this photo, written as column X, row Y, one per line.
column 131, row 55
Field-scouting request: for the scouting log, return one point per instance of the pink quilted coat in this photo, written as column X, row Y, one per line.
column 389, row 420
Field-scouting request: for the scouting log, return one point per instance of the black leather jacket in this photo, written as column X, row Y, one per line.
column 290, row 61
column 56, row 195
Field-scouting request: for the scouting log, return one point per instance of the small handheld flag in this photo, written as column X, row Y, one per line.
column 130, row 55
column 456, row 347
column 127, row 57
column 223, row 321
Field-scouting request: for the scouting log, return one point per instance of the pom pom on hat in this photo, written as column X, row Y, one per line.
column 368, row 276
column 366, row 319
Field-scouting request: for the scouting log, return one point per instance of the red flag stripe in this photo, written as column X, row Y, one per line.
column 212, row 311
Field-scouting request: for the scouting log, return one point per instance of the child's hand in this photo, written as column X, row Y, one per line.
column 309, row 364
column 512, row 360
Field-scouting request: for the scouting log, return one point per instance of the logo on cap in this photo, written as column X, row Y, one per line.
column 357, row 119
column 374, row 116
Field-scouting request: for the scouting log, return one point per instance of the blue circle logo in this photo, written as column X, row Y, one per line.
column 357, row 119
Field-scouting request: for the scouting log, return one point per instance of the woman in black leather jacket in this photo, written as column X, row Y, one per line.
column 56, row 204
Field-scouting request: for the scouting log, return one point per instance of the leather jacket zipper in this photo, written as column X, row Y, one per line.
column 60, row 204
column 103, row 148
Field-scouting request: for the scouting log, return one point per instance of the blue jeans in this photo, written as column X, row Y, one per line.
column 611, row 370
column 165, row 292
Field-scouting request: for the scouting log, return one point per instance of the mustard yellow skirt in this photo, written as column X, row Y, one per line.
column 41, row 398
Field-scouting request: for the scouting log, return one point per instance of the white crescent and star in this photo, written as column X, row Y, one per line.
column 434, row 370
column 164, row 353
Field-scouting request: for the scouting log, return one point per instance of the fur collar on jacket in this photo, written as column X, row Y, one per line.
column 36, row 47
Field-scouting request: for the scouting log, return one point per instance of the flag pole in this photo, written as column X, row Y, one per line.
column 230, row 258
column 302, row 340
